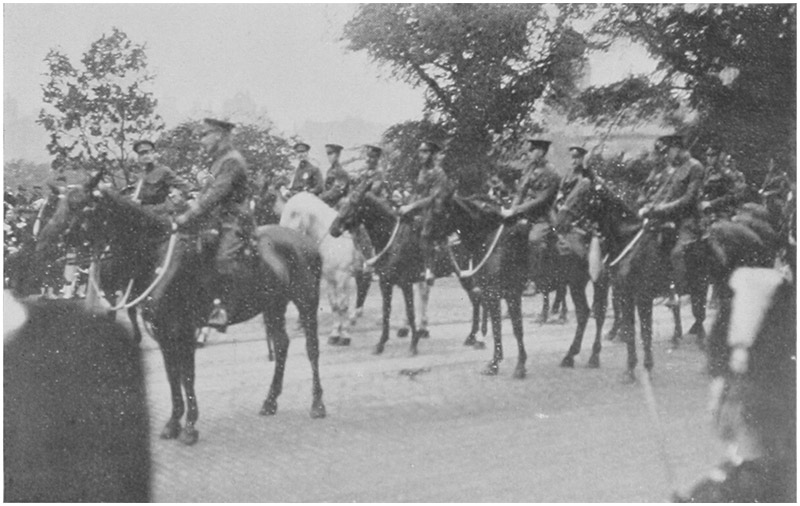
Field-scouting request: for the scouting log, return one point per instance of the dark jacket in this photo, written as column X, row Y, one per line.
column 307, row 177
column 536, row 192
column 337, row 184
column 156, row 184
column 677, row 197
column 226, row 197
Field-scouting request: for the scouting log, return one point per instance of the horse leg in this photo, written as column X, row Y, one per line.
column 560, row 304
column 308, row 316
column 578, row 291
column 492, row 305
column 334, row 298
column 270, row 340
column 424, row 298
column 363, row 282
column 514, row 305
column 275, row 318
column 172, row 429
column 186, row 349
column 615, row 306
column 408, row 297
column 599, row 310
column 645, row 306
column 386, row 295
column 545, row 307
column 137, row 333
column 628, row 332
column 476, row 316
column 699, row 290
column 678, row 332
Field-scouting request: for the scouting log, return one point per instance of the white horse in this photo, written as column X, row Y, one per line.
column 341, row 260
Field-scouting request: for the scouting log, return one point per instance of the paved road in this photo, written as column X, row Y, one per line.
column 448, row 434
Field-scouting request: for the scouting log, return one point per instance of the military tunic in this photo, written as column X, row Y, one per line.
column 537, row 191
column 337, row 184
column 677, row 197
column 723, row 189
column 307, row 177
column 372, row 180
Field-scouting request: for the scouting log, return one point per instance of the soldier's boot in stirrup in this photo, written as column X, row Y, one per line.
column 218, row 318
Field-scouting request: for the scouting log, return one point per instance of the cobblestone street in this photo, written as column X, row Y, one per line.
column 445, row 434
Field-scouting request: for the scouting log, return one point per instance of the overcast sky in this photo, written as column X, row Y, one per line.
column 286, row 57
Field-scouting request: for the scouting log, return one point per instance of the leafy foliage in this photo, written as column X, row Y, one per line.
column 25, row 173
column 735, row 65
column 483, row 66
column 95, row 111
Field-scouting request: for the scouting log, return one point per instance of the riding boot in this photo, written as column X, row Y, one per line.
column 218, row 318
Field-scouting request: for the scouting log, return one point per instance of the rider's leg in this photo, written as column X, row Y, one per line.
column 428, row 251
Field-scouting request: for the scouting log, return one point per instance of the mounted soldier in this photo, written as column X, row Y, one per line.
column 536, row 193
column 675, row 205
column 156, row 182
column 223, row 214
column 307, row 176
column 577, row 236
column 431, row 182
column 337, row 180
column 724, row 188
column 371, row 177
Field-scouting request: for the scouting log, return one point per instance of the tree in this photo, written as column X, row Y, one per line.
column 734, row 65
column 483, row 66
column 95, row 111
column 267, row 155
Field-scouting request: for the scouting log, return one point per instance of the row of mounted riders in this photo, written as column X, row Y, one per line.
column 138, row 246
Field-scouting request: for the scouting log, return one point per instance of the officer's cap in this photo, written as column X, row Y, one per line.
column 539, row 144
column 334, row 148
column 219, row 125
column 430, row 146
column 577, row 150
column 373, row 150
column 139, row 144
column 671, row 141
column 301, row 147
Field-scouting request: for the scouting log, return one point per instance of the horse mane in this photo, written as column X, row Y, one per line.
column 381, row 203
column 305, row 209
column 481, row 208
column 134, row 215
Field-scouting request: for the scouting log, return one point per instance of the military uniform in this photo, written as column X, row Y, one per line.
column 307, row 177
column 337, row 184
column 723, row 189
column 676, row 201
column 155, row 185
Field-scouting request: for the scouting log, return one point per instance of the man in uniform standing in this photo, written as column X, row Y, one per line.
column 536, row 193
column 676, row 201
column 431, row 182
column 337, row 181
column 307, row 176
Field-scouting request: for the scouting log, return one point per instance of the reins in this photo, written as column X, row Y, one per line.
column 370, row 262
column 630, row 245
column 173, row 239
column 471, row 272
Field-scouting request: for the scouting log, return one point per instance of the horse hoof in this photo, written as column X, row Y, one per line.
column 520, row 373
column 470, row 341
column 491, row 370
column 189, row 436
column 568, row 361
column 378, row 349
column 318, row 410
column 402, row 332
column 171, row 430
column 269, row 408
column 479, row 345
column 611, row 336
column 333, row 340
column 271, row 357
column 423, row 333
column 413, row 352
column 594, row 362
column 628, row 377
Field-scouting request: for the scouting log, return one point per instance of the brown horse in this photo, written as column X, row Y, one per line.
column 150, row 242
column 398, row 261
column 639, row 262
column 500, row 257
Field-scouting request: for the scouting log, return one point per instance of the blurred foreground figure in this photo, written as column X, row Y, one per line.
column 75, row 424
column 752, row 359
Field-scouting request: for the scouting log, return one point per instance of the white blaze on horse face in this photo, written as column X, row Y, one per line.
column 754, row 289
